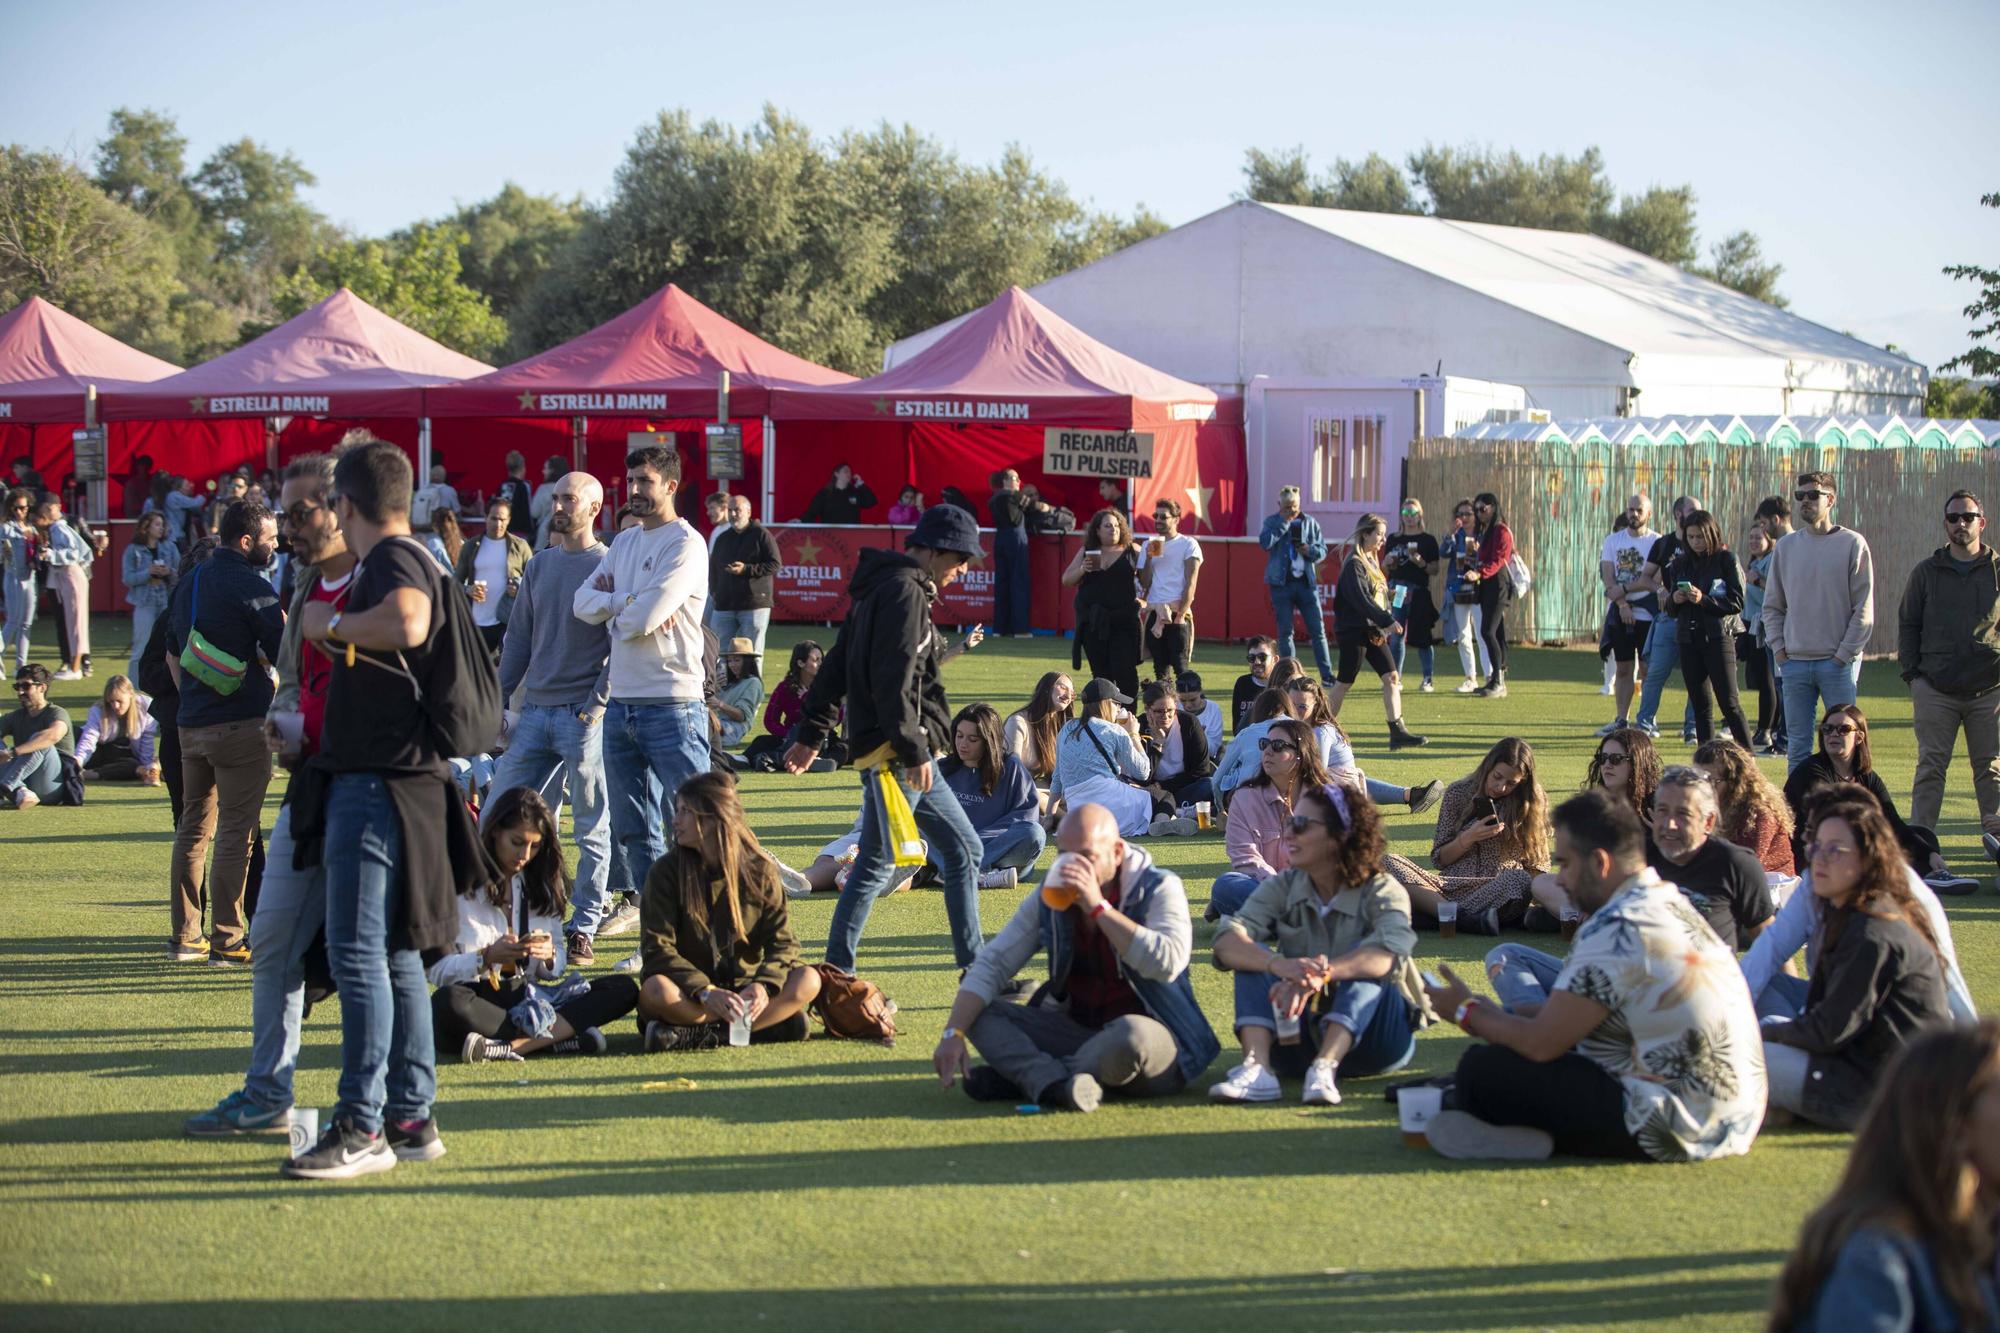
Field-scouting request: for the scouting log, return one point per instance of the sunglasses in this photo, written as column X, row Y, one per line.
column 1816, row 850
column 1965, row 517
column 1611, row 760
column 23, row 687
column 1300, row 823
column 1268, row 744
column 302, row 511
column 1840, row 731
column 1810, row 495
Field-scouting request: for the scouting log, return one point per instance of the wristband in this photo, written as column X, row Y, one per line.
column 1465, row 1012
column 948, row 1034
column 333, row 626
column 1099, row 910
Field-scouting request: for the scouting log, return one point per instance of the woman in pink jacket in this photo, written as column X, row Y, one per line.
column 1261, row 809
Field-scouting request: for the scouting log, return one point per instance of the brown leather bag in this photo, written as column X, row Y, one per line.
column 852, row 1008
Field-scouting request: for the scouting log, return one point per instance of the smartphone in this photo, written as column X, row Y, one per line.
column 1433, row 980
column 1483, row 808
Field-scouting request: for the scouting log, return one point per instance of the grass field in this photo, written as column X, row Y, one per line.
column 832, row 1184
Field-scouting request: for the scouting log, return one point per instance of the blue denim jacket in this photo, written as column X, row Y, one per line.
column 1278, row 568
column 1883, row 1282
column 140, row 590
column 14, row 537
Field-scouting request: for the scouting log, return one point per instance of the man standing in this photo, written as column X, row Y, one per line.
column 1619, row 564
column 840, row 501
column 1819, row 609
column 1010, row 555
column 520, row 500
column 651, row 592
column 743, row 561
column 223, row 625
column 1170, row 567
column 716, row 506
column 884, row 668
column 1121, row 1017
column 1663, row 645
column 440, row 495
column 558, row 735
column 1296, row 546
column 1948, row 642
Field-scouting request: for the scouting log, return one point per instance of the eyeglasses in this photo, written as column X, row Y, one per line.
column 1967, row 517
column 1463, row 513
column 1840, row 731
column 1816, row 850
column 302, row 511
column 24, row 687
column 1268, row 743
column 1811, row 495
column 1682, row 774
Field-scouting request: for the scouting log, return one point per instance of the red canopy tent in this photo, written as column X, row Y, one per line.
column 656, row 368
column 48, row 362
column 983, row 397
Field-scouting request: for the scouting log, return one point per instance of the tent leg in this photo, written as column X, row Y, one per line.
column 423, row 451
column 770, row 470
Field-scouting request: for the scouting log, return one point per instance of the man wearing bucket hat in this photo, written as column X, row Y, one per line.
column 884, row 669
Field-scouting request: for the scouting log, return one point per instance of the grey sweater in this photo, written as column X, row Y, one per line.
column 562, row 658
column 1819, row 596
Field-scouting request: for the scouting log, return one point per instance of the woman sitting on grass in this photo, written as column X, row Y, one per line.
column 783, row 711
column 1492, row 839
column 488, row 1005
column 742, row 690
column 1030, row 734
column 1099, row 759
column 998, row 795
column 1754, row 813
column 1628, row 767
column 1241, row 758
column 1260, row 816
column 714, row 932
column 119, row 739
column 1844, row 756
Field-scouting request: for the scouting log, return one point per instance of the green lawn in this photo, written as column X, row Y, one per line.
column 831, row 1184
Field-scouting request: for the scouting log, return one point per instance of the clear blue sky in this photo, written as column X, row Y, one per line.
column 1854, row 139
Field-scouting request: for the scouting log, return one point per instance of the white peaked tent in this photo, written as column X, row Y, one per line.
column 1589, row 328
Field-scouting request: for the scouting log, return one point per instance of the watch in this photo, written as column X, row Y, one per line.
column 948, row 1034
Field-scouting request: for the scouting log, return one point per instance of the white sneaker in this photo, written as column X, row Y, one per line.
column 1005, row 878
column 67, row 674
column 1321, row 1090
column 1427, row 687
column 1467, row 686
column 1247, row 1082
column 796, row 884
column 628, row 965
column 622, row 921
column 24, row 799
column 1615, row 724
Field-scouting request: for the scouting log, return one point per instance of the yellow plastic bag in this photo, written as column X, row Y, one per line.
column 903, row 838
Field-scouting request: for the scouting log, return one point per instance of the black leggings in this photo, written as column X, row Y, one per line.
column 114, row 761
column 1570, row 1097
column 1711, row 664
column 467, row 1007
column 1110, row 642
column 1493, row 619
column 1352, row 651
column 1170, row 650
column 1757, row 675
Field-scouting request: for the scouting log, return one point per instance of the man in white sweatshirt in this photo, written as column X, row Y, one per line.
column 1819, row 609
column 650, row 594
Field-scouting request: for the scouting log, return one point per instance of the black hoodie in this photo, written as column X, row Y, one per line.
column 883, row 666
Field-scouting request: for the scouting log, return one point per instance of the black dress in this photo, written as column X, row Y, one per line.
column 1107, row 623
column 1420, row 612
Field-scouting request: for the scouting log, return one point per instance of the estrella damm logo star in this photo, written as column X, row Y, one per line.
column 881, row 406
column 527, row 400
column 198, row 404
column 809, row 552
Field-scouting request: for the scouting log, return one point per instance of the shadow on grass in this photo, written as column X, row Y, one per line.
column 1608, row 1292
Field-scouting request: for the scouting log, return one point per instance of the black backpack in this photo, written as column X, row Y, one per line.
column 459, row 691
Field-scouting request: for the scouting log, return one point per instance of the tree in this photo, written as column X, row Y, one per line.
column 1659, row 223
column 1372, row 185
column 510, row 241
column 413, row 278
column 1950, row 398
column 1983, row 357
column 1556, row 193
column 1737, row 261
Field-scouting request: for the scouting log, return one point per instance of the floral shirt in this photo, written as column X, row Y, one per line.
column 1682, row 1033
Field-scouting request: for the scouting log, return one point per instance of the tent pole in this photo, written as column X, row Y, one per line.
column 770, row 469
column 423, row 452
column 721, row 417
column 98, row 493
column 271, row 443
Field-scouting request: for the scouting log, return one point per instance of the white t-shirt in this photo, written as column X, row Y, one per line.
column 1173, row 759
column 489, row 562
column 1170, row 579
column 1626, row 550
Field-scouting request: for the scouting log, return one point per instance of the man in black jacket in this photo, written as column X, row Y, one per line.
column 741, row 565
column 884, row 668
column 1948, row 643
column 840, row 500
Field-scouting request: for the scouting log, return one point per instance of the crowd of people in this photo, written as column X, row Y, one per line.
column 625, row 680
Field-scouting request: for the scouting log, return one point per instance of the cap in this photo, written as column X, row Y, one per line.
column 945, row 528
column 1188, row 682
column 1100, row 689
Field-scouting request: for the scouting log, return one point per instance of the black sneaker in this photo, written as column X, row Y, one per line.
column 794, row 1028
column 344, row 1151
column 587, row 1042
column 581, row 953
column 679, row 1037
column 984, row 1083
column 928, row 877
column 414, row 1140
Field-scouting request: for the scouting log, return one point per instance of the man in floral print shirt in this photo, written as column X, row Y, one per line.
column 1646, row 1045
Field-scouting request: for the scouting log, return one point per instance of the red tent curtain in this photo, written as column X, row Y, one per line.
column 199, row 449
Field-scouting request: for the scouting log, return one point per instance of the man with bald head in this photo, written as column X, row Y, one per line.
column 558, row 729
column 1118, row 1013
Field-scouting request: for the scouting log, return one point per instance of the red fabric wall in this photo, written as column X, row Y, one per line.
column 200, row 449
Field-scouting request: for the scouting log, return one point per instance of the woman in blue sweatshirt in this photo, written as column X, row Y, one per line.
column 998, row 794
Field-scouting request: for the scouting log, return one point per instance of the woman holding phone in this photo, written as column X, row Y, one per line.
column 1492, row 839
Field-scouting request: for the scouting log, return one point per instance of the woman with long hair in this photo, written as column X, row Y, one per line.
column 1878, row 979
column 1105, row 574
column 1261, row 812
column 1029, row 733
column 1311, row 706
column 714, row 935
column 445, row 540
column 1363, row 620
column 786, row 706
column 1409, row 559
column 1345, row 977
column 1906, row 1240
column 1705, row 590
column 742, row 691
column 1487, row 551
column 1844, row 756
column 998, row 794
column 1492, row 839
column 1754, row 813
column 1758, row 673
column 119, row 740
column 147, row 570
column 490, row 1002
column 1627, row 766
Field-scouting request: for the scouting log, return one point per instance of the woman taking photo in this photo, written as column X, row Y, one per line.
column 1907, row 1240
column 119, row 739
column 148, row 572
column 742, row 691
column 1324, row 948
column 1705, row 595
column 1410, row 558
column 1099, row 759
column 1261, row 812
column 1492, row 839
column 1105, row 574
column 489, row 1004
column 998, row 794
column 1878, row 980
column 1754, row 813
column 1363, row 620
column 1030, row 733
column 1487, row 551
column 714, row 933
column 1844, row 756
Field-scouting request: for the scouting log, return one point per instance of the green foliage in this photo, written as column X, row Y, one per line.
column 1950, row 398
column 510, row 240
column 413, row 278
column 1983, row 357
column 1737, row 261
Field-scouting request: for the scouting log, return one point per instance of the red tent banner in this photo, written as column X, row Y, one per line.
column 49, row 358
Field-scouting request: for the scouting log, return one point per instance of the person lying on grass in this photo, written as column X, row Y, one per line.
column 1644, row 1047
column 1321, row 953
column 1118, row 1016
column 714, row 935
column 489, row 1003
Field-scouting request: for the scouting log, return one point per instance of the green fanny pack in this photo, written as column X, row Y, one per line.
column 203, row 660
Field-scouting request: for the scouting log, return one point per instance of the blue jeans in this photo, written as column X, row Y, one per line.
column 650, row 749
column 1399, row 644
column 291, row 907
column 1374, row 1011
column 1010, row 581
column 549, row 747
column 143, row 619
column 20, row 606
column 1016, row 847
column 1663, row 657
column 40, row 771
column 1807, row 683
column 1520, row 975
column 954, row 849
column 387, row 1063
column 1783, row 997
column 751, row 625
column 1232, row 889
column 1303, row 597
